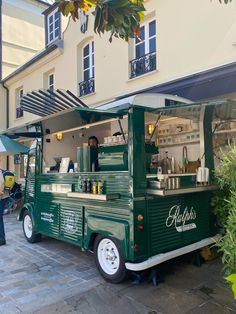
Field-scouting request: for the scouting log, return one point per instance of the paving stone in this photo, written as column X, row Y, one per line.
column 38, row 272
column 9, row 309
column 56, row 277
column 210, row 308
column 75, row 282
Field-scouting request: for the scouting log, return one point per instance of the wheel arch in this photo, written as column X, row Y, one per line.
column 116, row 229
column 27, row 207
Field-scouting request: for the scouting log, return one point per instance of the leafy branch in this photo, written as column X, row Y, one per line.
column 119, row 17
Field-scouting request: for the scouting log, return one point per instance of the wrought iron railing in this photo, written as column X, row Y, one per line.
column 142, row 65
column 87, row 87
column 19, row 112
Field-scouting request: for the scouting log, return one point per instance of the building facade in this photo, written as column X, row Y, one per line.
column 188, row 52
column 22, row 32
column 186, row 48
column 21, row 37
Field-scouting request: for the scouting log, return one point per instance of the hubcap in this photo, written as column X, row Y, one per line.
column 28, row 228
column 108, row 256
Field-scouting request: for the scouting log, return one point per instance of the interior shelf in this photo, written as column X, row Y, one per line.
column 178, row 144
column 179, row 133
column 225, row 131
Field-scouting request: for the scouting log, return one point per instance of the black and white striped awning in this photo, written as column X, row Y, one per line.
column 45, row 101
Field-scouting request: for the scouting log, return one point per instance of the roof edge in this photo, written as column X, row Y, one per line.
column 51, row 8
column 34, row 59
column 43, row 2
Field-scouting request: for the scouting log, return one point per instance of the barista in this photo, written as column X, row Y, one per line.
column 93, row 142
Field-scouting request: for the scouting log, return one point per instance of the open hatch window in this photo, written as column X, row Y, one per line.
column 175, row 132
column 89, row 141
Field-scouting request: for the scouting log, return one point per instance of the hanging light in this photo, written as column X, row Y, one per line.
column 150, row 128
column 59, row 136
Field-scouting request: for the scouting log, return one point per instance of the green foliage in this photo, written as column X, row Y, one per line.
column 225, row 208
column 227, row 244
column 226, row 173
column 119, row 17
column 221, row 205
column 232, row 280
column 226, row 179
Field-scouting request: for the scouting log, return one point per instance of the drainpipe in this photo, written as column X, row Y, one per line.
column 7, row 104
column 7, row 90
column 7, row 114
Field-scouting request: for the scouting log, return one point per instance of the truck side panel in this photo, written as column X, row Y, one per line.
column 75, row 220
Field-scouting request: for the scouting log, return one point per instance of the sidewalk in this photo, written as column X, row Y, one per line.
column 54, row 277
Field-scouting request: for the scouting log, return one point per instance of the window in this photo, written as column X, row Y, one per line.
column 87, row 85
column 145, row 51
column 19, row 111
column 147, row 42
column 53, row 26
column 51, row 81
column 88, row 61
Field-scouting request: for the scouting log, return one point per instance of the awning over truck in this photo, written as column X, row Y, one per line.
column 83, row 117
column 46, row 101
column 223, row 110
column 68, row 119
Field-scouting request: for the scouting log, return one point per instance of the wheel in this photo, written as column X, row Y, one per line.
column 29, row 233
column 109, row 259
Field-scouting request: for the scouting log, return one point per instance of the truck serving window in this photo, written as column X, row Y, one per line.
column 72, row 147
column 177, row 139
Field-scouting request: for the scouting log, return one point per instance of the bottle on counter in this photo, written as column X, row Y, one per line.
column 80, row 187
column 88, row 185
column 166, row 164
column 94, row 187
column 100, row 187
column 84, row 186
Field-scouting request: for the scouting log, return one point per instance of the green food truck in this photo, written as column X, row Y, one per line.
column 138, row 197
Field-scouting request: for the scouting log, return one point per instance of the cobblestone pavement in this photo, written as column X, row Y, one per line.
column 54, row 277
column 32, row 275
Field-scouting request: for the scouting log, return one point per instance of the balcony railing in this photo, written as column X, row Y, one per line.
column 142, row 65
column 87, row 87
column 19, row 112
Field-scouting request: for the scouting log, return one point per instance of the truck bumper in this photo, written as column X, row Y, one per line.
column 160, row 258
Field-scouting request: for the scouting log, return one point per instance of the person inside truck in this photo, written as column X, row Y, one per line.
column 93, row 141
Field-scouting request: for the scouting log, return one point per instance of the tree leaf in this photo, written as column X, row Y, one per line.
column 231, row 278
column 234, row 290
column 69, row 7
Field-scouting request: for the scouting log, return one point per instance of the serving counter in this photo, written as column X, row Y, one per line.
column 99, row 197
column 163, row 192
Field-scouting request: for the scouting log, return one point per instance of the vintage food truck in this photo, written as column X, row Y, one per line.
column 138, row 198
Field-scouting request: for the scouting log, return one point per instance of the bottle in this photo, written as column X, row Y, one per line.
column 166, row 164
column 88, row 185
column 95, row 187
column 100, row 187
column 80, row 187
column 84, row 186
